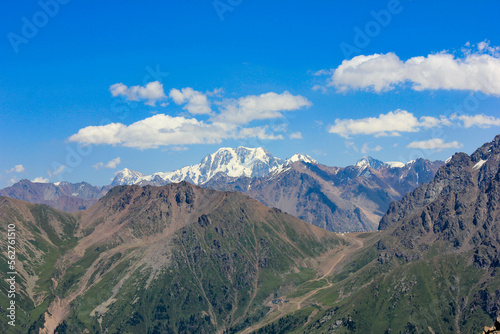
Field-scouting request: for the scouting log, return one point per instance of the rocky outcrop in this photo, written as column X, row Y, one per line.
column 459, row 206
column 495, row 329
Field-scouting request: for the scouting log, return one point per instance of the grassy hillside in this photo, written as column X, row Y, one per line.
column 173, row 259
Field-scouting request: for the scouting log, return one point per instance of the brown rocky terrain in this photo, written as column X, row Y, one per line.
column 353, row 198
column 141, row 250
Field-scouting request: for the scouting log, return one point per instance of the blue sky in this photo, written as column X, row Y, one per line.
column 88, row 88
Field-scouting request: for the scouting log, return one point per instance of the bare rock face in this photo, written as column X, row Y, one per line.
column 349, row 199
column 460, row 206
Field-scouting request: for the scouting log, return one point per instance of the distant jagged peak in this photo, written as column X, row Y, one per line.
column 301, row 157
column 126, row 176
column 226, row 162
column 368, row 161
column 242, row 155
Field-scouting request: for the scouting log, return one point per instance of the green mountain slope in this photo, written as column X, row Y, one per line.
column 39, row 235
column 172, row 259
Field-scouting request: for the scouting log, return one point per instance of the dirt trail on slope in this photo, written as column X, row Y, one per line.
column 331, row 261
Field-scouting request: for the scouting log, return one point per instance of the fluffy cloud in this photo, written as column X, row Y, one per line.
column 151, row 93
column 480, row 120
column 111, row 164
column 16, row 169
column 434, row 144
column 258, row 107
column 366, row 148
column 40, row 179
column 381, row 72
column 296, row 135
column 161, row 129
column 197, row 102
column 228, row 123
column 390, row 124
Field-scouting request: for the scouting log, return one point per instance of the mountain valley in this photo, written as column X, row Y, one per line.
column 181, row 258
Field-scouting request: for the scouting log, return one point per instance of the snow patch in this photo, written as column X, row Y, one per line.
column 301, row 157
column 479, row 164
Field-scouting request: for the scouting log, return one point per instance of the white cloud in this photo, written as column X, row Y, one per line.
column 434, row 144
column 257, row 132
column 351, row 146
column 111, row 164
column 151, row 93
column 197, row 102
column 58, row 171
column 98, row 165
column 16, row 169
column 40, row 179
column 390, row 124
column 366, row 148
column 321, row 88
column 217, row 92
column 484, row 46
column 296, row 135
column 228, row 123
column 477, row 71
column 257, row 107
column 162, row 130
column 175, row 149
column 480, row 120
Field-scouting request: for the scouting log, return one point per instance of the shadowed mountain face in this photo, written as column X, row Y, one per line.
column 353, row 198
column 176, row 258
column 64, row 196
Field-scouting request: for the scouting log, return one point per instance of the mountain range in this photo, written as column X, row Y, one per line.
column 62, row 195
column 432, row 267
column 176, row 258
column 181, row 258
column 353, row 198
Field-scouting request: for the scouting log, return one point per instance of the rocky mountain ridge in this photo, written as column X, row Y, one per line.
column 431, row 268
column 176, row 258
column 224, row 163
column 341, row 199
column 64, row 196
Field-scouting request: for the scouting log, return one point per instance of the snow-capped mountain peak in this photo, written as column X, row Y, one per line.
column 301, row 157
column 368, row 161
column 225, row 162
column 126, row 176
column 242, row 161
